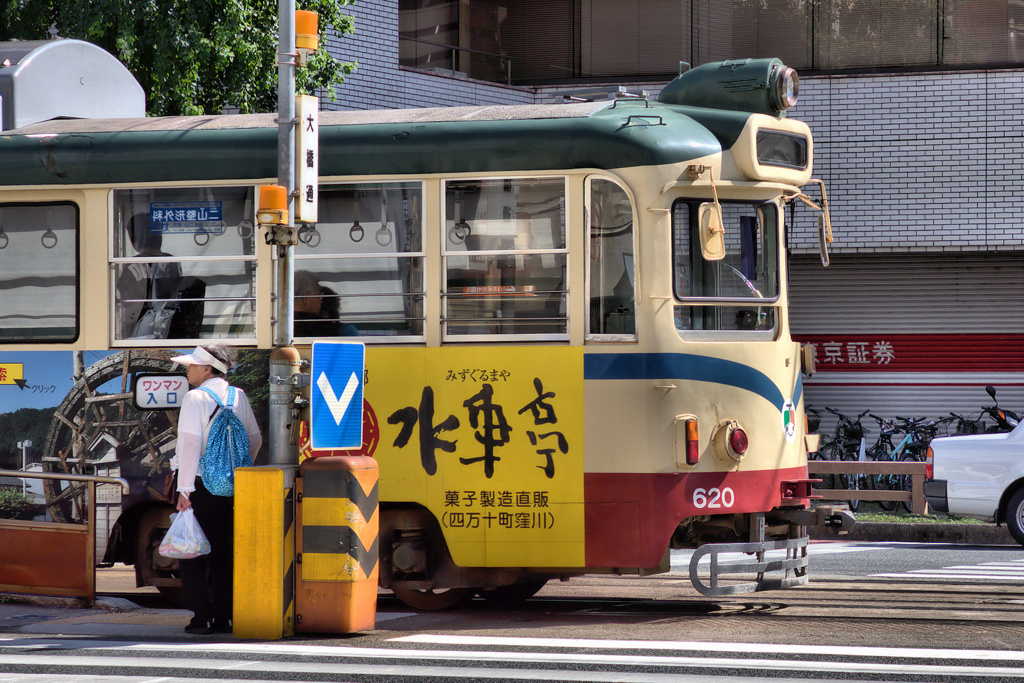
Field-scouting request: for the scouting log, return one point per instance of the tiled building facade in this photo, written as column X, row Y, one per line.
column 924, row 173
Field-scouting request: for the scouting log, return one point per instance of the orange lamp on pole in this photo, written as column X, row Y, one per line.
column 307, row 35
column 273, row 205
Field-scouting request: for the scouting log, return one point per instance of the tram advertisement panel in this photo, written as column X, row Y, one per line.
column 491, row 441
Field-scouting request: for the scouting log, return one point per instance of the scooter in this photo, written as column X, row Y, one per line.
column 1005, row 420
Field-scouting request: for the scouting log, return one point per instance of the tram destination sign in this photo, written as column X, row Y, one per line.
column 187, row 217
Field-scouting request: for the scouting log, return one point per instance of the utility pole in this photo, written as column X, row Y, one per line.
column 284, row 359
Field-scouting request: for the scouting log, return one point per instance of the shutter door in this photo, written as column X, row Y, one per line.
column 913, row 335
column 907, row 293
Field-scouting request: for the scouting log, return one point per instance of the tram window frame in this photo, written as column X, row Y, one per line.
column 199, row 276
column 44, row 275
column 494, row 251
column 612, row 309
column 727, row 316
column 394, row 246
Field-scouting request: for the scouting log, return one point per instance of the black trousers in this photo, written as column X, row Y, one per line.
column 207, row 580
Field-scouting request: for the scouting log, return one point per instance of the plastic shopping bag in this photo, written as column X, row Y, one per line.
column 185, row 539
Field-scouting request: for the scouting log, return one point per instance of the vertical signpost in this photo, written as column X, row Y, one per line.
column 307, row 162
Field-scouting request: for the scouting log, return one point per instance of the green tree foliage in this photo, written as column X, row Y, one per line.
column 191, row 56
column 252, row 374
column 25, row 423
column 15, row 505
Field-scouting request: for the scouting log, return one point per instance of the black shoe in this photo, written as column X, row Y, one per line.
column 221, row 626
column 199, row 627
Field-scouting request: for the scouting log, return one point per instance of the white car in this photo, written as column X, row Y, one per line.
column 980, row 476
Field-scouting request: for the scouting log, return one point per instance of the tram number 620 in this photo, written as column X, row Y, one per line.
column 713, row 498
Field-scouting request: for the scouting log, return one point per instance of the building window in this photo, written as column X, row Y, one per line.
column 366, row 254
column 505, row 258
column 184, row 264
column 39, row 272
column 533, row 42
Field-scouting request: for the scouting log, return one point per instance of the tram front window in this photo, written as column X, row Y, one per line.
column 734, row 296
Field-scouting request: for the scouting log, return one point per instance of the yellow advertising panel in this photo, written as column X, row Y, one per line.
column 12, row 373
column 490, row 439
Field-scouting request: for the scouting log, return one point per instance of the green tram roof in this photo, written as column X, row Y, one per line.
column 604, row 135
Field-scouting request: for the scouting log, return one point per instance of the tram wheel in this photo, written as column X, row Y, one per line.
column 432, row 600
column 514, row 593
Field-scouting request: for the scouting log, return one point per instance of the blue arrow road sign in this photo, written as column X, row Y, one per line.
column 336, row 395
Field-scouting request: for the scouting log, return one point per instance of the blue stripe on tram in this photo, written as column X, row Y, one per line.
column 685, row 366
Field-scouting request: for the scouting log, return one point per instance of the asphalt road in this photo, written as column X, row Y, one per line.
column 872, row 611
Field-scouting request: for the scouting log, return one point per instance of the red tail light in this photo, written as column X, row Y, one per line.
column 692, row 443
column 738, row 441
column 929, row 464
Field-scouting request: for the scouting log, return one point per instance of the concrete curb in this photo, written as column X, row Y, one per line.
column 972, row 534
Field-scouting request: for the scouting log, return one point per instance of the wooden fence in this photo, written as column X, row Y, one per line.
column 871, row 467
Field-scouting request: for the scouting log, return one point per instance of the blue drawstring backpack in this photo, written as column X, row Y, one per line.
column 227, row 447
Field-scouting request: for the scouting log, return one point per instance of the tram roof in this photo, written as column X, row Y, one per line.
column 615, row 134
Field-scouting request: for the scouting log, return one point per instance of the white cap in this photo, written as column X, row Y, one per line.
column 201, row 357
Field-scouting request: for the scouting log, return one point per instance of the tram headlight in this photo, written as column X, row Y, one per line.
column 784, row 88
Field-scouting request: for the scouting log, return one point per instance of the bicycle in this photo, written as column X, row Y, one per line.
column 912, row 448
column 965, row 425
column 883, row 451
column 847, row 444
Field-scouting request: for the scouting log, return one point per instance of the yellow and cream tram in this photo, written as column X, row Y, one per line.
column 578, row 354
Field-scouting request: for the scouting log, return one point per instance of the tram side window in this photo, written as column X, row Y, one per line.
column 184, row 264
column 505, row 258
column 612, row 279
column 738, row 293
column 360, row 272
column 39, row 272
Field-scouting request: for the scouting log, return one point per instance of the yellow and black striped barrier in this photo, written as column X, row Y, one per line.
column 264, row 591
column 338, row 530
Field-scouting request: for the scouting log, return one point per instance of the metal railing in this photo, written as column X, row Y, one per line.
column 915, row 470
column 53, row 558
column 454, row 51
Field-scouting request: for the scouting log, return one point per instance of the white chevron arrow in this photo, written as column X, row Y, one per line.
column 337, row 405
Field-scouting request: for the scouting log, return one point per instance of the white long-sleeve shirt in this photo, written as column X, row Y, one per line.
column 194, row 420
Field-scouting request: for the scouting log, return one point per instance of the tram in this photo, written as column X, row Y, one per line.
column 578, row 353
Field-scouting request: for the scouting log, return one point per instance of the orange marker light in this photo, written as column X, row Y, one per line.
column 307, row 35
column 273, row 205
column 692, row 443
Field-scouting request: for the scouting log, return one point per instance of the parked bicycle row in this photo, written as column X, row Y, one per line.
column 899, row 439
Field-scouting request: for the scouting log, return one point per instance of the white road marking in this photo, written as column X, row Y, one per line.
column 338, row 662
column 1003, row 572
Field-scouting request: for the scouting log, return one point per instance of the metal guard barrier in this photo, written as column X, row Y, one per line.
column 54, row 558
column 795, row 562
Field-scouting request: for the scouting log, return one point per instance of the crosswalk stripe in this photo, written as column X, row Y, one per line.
column 699, row 646
column 999, row 572
column 132, row 663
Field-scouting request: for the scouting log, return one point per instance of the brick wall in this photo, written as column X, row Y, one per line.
column 919, row 162
column 912, row 162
